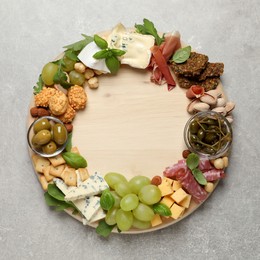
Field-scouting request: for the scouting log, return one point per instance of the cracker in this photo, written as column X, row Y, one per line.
column 35, row 157
column 46, row 173
column 69, row 176
column 83, row 173
column 41, row 163
column 43, row 182
column 56, row 171
column 57, row 160
column 210, row 83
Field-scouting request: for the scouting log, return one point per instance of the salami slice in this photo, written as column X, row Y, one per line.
column 214, row 174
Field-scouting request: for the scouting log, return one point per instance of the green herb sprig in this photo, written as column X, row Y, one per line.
column 181, row 55
column 55, row 198
column 110, row 55
column 39, row 85
column 162, row 209
column 74, row 160
column 103, row 229
column 192, row 162
column 148, row 28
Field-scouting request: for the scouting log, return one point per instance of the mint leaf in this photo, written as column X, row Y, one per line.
column 39, row 85
column 192, row 161
column 103, row 229
column 78, row 46
column 198, row 175
column 107, row 200
column 162, row 209
column 148, row 28
column 181, row 55
column 101, row 54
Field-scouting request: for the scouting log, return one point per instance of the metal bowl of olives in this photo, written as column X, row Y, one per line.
column 208, row 134
column 47, row 136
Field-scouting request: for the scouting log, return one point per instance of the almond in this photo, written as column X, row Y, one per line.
column 69, row 127
column 156, row 180
column 34, row 111
column 43, row 112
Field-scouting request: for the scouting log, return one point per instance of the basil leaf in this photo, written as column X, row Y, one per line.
column 117, row 52
column 50, row 201
column 161, row 209
column 100, row 42
column 55, row 192
column 192, row 161
column 107, row 200
column 74, row 160
column 148, row 28
column 60, row 77
column 181, row 55
column 113, row 64
column 78, row 46
column 39, row 85
column 69, row 143
column 198, row 175
column 103, row 229
column 101, row 54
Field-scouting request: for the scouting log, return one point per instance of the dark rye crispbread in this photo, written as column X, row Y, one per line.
column 192, row 67
column 212, row 70
column 198, row 71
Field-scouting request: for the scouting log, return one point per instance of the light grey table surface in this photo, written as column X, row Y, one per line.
column 227, row 226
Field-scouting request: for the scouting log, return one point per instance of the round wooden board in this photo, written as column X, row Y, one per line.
column 133, row 127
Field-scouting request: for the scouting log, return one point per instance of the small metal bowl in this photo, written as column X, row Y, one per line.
column 30, row 133
column 195, row 141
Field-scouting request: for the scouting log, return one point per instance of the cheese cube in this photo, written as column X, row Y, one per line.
column 186, row 202
column 176, row 185
column 166, row 187
column 156, row 220
column 168, row 201
column 177, row 211
column 179, row 195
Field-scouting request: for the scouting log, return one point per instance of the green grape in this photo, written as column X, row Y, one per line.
column 149, row 194
column 69, row 64
column 137, row 182
column 124, row 219
column 113, row 178
column 141, row 224
column 76, row 78
column 129, row 202
column 117, row 199
column 122, row 188
column 143, row 212
column 48, row 72
column 111, row 216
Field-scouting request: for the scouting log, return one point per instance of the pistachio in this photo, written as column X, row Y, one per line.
column 190, row 108
column 208, row 99
column 220, row 110
column 221, row 102
column 230, row 106
column 215, row 93
column 200, row 107
column 229, row 119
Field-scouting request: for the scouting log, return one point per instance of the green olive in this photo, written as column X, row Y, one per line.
column 41, row 138
column 210, row 138
column 59, row 134
column 43, row 124
column 201, row 134
column 49, row 148
column 194, row 127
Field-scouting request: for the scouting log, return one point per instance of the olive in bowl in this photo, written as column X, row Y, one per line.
column 47, row 136
column 208, row 134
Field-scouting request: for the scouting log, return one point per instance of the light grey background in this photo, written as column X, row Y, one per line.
column 33, row 32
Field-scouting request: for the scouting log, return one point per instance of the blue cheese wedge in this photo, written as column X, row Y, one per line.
column 100, row 214
column 94, row 185
column 137, row 46
column 88, row 206
column 62, row 186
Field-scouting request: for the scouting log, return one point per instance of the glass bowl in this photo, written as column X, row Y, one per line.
column 208, row 134
column 38, row 149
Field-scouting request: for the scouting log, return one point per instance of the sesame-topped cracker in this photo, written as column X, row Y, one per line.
column 192, row 67
column 212, row 70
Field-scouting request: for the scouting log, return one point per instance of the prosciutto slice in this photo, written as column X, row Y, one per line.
column 160, row 57
column 188, row 182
